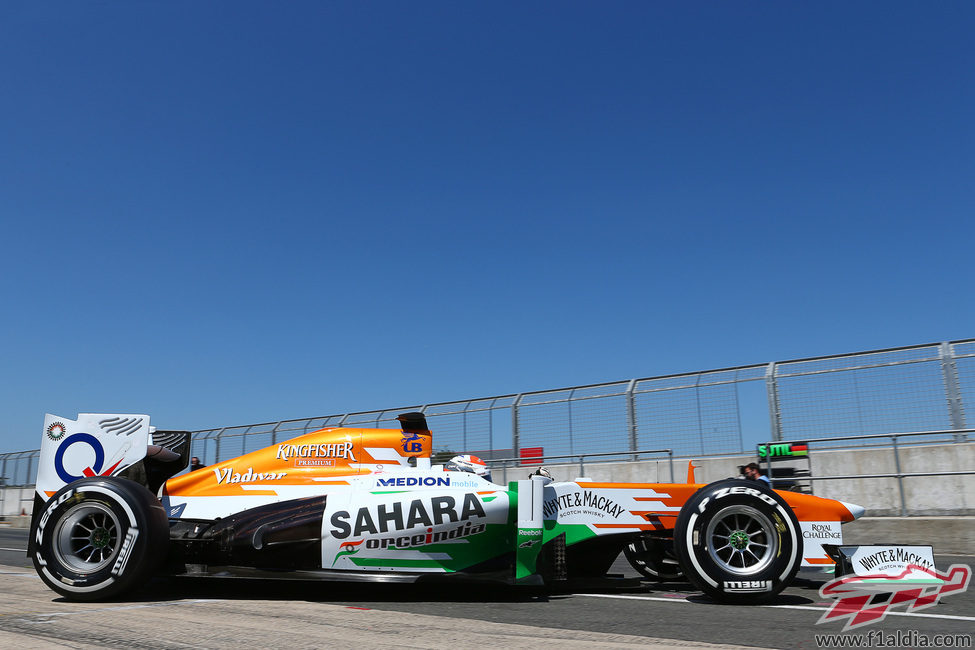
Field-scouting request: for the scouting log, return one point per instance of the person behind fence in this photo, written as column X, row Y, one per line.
column 754, row 473
column 195, row 464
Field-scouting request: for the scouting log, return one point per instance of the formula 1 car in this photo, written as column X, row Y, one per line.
column 111, row 509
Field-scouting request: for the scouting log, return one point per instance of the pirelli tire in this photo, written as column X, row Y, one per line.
column 98, row 537
column 738, row 542
column 654, row 558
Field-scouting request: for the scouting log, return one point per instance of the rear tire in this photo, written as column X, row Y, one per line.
column 98, row 537
column 654, row 558
column 738, row 542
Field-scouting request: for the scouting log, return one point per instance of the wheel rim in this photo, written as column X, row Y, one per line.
column 742, row 540
column 87, row 538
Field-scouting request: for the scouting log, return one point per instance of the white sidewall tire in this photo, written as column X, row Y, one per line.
column 738, row 542
column 99, row 537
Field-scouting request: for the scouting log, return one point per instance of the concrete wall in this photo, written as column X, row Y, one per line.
column 16, row 501
column 928, row 495
column 948, row 535
column 924, row 495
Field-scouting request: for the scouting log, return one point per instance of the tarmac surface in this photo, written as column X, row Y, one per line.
column 234, row 613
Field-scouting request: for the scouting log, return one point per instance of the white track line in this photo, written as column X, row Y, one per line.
column 805, row 607
column 21, row 550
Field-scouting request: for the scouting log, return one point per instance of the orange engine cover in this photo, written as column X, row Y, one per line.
column 312, row 459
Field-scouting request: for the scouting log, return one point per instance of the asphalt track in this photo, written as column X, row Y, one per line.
column 180, row 613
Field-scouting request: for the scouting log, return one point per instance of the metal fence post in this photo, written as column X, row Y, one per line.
column 568, row 405
column 900, row 479
column 217, row 444
column 515, row 439
column 631, row 416
column 775, row 421
column 274, row 434
column 956, row 409
column 768, row 458
column 741, row 437
column 243, row 442
column 670, row 453
column 491, row 425
column 4, row 484
column 697, row 405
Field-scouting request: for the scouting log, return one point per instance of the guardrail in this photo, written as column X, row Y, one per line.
column 893, row 437
column 521, row 461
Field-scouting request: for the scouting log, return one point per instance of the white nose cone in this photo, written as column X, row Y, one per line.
column 855, row 510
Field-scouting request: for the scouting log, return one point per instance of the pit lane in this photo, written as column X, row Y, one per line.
column 237, row 613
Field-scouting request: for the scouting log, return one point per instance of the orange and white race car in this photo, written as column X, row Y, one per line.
column 112, row 508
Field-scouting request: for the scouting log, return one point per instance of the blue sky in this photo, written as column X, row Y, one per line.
column 233, row 212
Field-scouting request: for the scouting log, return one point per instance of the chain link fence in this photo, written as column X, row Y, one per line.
column 920, row 388
column 916, row 388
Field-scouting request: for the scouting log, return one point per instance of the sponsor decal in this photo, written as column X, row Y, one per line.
column 347, row 548
column 783, row 450
column 747, row 586
column 891, row 560
column 738, row 489
column 530, row 533
column 95, row 469
column 123, row 555
column 465, row 483
column 303, row 454
column 228, row 475
column 582, row 501
column 51, row 506
column 176, row 511
column 56, row 431
column 386, row 517
column 411, row 443
column 314, row 462
column 828, row 531
column 416, row 481
column 858, row 603
column 428, row 537
column 399, row 542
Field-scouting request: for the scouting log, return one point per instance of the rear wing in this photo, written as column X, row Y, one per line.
column 108, row 444
column 105, row 444
column 96, row 444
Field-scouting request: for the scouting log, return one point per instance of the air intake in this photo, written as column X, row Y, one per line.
column 413, row 422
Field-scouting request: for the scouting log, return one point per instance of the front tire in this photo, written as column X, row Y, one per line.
column 738, row 542
column 98, row 537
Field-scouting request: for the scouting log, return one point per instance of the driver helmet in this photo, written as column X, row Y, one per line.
column 543, row 472
column 468, row 463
